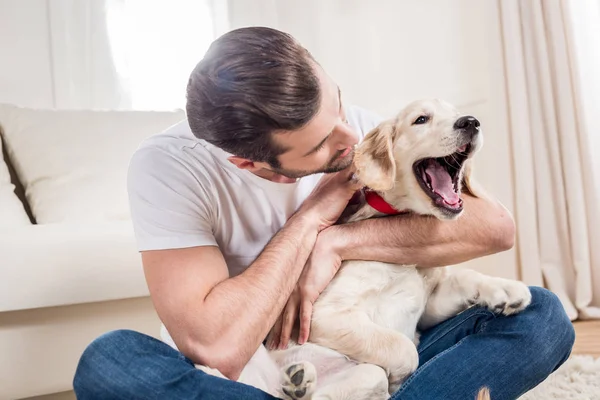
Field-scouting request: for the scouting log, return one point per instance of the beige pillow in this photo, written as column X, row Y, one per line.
column 73, row 163
column 12, row 212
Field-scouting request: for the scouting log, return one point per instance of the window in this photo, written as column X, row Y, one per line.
column 155, row 44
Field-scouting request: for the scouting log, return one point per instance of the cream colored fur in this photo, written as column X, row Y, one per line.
column 363, row 340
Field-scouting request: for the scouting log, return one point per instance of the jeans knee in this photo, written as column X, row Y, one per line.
column 550, row 310
column 102, row 354
column 551, row 331
column 110, row 343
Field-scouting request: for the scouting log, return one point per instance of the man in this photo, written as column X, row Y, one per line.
column 234, row 211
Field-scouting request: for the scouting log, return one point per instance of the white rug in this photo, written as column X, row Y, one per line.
column 576, row 379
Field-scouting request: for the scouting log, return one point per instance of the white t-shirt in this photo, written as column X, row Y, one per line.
column 183, row 192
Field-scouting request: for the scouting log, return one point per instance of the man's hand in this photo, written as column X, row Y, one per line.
column 330, row 197
column 326, row 203
column 321, row 267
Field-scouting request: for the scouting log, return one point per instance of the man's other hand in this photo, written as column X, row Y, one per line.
column 321, row 267
column 330, row 197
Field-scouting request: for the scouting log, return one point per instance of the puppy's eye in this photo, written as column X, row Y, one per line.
column 421, row 120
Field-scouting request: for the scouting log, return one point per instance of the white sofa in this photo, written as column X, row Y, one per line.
column 69, row 269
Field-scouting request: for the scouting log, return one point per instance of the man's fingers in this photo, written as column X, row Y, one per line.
column 305, row 318
column 350, row 178
column 355, row 184
column 289, row 316
column 346, row 174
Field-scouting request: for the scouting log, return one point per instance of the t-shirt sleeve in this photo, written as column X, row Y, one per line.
column 362, row 120
column 170, row 207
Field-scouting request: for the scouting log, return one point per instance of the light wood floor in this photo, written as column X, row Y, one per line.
column 587, row 338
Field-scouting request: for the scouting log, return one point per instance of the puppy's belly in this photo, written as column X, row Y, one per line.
column 327, row 362
column 262, row 372
column 264, row 369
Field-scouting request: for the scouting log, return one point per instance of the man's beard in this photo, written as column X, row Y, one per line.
column 334, row 165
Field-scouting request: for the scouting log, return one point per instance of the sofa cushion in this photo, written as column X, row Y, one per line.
column 12, row 212
column 73, row 163
column 60, row 264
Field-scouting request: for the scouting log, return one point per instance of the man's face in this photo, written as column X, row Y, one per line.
column 325, row 144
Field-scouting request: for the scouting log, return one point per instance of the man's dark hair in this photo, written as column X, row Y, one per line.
column 251, row 83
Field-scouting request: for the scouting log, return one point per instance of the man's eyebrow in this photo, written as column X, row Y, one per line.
column 317, row 147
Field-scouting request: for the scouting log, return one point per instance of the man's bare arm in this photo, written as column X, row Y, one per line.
column 218, row 321
column 485, row 228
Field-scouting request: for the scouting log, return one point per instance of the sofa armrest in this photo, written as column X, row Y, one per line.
column 61, row 264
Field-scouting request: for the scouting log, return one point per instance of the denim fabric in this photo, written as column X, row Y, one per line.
column 510, row 355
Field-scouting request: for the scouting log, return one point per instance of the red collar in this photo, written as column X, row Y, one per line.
column 378, row 203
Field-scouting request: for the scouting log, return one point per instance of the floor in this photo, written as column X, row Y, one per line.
column 587, row 342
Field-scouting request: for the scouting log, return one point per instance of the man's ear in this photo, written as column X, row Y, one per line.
column 244, row 163
column 374, row 158
column 470, row 183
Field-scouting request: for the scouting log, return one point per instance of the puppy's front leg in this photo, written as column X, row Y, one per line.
column 355, row 335
column 462, row 288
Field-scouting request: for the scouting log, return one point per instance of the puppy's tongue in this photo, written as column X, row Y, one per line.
column 441, row 182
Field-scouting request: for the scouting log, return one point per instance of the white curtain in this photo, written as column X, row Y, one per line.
column 82, row 68
column 552, row 64
column 128, row 54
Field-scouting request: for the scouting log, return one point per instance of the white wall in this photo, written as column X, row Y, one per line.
column 57, row 54
column 25, row 66
column 386, row 53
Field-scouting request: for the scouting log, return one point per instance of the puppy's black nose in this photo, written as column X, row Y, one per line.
column 468, row 124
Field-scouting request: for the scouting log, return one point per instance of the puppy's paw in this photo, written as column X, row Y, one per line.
column 406, row 365
column 298, row 381
column 502, row 296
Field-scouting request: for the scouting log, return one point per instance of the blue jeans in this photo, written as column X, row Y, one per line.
column 510, row 355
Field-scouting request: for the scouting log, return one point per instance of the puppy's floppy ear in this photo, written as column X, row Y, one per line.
column 374, row 158
column 470, row 183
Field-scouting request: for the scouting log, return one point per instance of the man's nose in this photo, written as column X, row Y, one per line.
column 346, row 137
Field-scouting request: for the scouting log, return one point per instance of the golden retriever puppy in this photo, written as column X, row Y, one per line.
column 363, row 338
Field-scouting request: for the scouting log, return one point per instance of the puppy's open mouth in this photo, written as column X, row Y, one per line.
column 438, row 177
